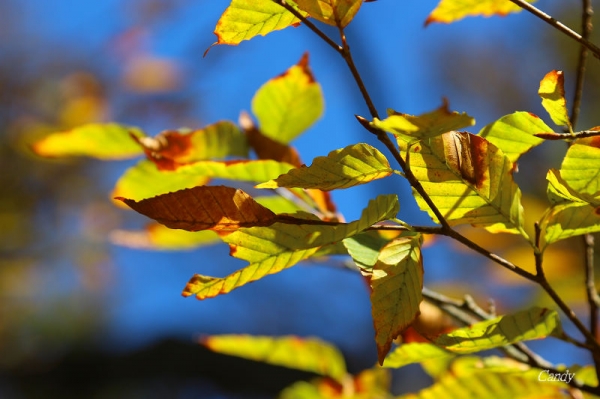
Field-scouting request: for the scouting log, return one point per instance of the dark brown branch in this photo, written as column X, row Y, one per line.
column 309, row 25
column 558, row 25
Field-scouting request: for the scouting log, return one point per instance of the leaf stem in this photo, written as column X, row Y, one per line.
column 309, row 25
column 558, row 25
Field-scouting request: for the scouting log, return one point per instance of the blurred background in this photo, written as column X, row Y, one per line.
column 81, row 316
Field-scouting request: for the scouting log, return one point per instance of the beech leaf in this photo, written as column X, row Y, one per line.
column 103, row 141
column 448, row 11
column 552, row 92
column 572, row 213
column 171, row 149
column 423, row 126
column 307, row 354
column 288, row 104
column 332, row 12
column 535, row 323
column 245, row 19
column 204, row 208
column 581, row 166
column 514, row 134
column 491, row 378
column 274, row 248
column 470, row 181
column 145, row 180
column 396, row 282
column 347, row 167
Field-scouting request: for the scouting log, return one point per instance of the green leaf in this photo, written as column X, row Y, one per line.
column 289, row 104
column 103, row 141
column 161, row 238
column 571, row 213
column 534, row 323
column 347, row 167
column 581, row 166
column 245, row 19
column 469, row 180
column 514, row 133
column 425, row 126
column 144, row 180
column 396, row 282
column 490, row 378
column 306, row 354
column 448, row 11
column 332, row 12
column 281, row 245
column 364, row 248
column 278, row 204
column 552, row 92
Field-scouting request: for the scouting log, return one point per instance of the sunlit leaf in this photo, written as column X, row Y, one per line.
column 144, row 180
column 306, row 354
column 343, row 168
column 245, row 19
column 469, row 180
column 279, row 246
column 289, row 104
column 170, row 149
column 552, row 92
column 534, row 323
column 103, row 141
column 396, row 282
column 159, row 237
column 490, row 378
column 423, row 126
column 278, row 204
column 332, row 12
column 514, row 133
column 581, row 166
column 204, row 207
column 448, row 11
column 364, row 248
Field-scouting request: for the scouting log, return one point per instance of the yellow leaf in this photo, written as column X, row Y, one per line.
column 448, row 11
column 332, row 12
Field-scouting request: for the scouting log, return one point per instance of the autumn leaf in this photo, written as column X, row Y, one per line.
column 145, row 180
column 103, row 141
column 535, row 323
column 581, row 166
column 306, row 354
column 347, row 167
column 245, row 19
column 572, row 213
column 171, row 149
column 424, row 126
column 332, row 12
column 265, row 147
column 491, row 377
column 274, row 248
column 204, row 208
column 396, row 282
column 288, row 104
column 448, row 11
column 514, row 134
column 552, row 92
column 469, row 180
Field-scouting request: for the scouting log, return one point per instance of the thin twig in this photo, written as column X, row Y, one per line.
column 586, row 30
column 467, row 312
column 558, row 25
column 568, row 136
column 356, row 75
column 309, row 25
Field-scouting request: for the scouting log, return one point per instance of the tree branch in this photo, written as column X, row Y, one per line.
column 558, row 25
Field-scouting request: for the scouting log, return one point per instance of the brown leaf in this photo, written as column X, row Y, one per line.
column 265, row 147
column 218, row 208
